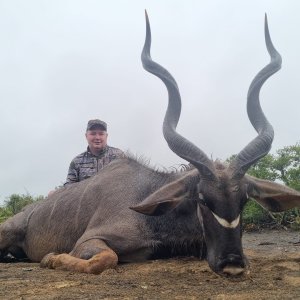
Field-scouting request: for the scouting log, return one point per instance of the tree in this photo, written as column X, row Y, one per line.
column 15, row 203
column 287, row 165
column 284, row 167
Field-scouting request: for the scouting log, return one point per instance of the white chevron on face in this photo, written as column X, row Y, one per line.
column 227, row 224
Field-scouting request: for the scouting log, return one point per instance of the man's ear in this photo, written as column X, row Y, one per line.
column 273, row 196
column 168, row 196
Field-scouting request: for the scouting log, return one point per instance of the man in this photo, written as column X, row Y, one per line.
column 98, row 153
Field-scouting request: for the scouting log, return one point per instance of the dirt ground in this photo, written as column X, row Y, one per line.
column 274, row 274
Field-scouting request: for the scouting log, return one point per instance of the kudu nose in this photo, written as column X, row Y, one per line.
column 232, row 264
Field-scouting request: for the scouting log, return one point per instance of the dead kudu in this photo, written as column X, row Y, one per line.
column 89, row 226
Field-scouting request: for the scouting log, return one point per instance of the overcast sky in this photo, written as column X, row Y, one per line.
column 65, row 62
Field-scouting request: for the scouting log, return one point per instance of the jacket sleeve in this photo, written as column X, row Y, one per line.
column 73, row 174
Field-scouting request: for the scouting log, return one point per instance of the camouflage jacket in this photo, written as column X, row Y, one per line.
column 87, row 164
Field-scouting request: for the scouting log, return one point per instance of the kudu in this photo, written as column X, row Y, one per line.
column 88, row 226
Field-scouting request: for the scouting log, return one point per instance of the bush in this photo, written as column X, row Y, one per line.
column 284, row 167
column 253, row 213
column 15, row 203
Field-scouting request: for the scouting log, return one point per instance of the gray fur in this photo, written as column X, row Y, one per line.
column 99, row 207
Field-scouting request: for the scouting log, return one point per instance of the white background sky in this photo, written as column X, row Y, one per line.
column 65, row 62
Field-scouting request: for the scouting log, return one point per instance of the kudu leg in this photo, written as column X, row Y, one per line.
column 93, row 256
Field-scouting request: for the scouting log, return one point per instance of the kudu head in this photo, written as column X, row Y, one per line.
column 220, row 191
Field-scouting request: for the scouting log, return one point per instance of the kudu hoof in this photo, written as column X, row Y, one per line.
column 46, row 262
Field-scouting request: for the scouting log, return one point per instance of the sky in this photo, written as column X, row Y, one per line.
column 63, row 63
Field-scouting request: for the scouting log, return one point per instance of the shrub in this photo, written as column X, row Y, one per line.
column 15, row 203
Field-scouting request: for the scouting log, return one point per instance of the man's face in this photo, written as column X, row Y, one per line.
column 97, row 139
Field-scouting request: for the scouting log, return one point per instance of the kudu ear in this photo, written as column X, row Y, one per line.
column 169, row 196
column 273, row 196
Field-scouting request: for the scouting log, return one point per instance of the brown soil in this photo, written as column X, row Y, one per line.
column 274, row 274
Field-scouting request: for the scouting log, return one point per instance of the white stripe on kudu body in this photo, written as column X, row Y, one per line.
column 227, row 224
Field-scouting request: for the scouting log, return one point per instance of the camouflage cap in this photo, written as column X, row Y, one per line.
column 96, row 123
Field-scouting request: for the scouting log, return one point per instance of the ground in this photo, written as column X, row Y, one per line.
column 274, row 274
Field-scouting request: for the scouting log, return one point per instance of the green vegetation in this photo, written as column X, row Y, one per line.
column 284, row 167
column 15, row 203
